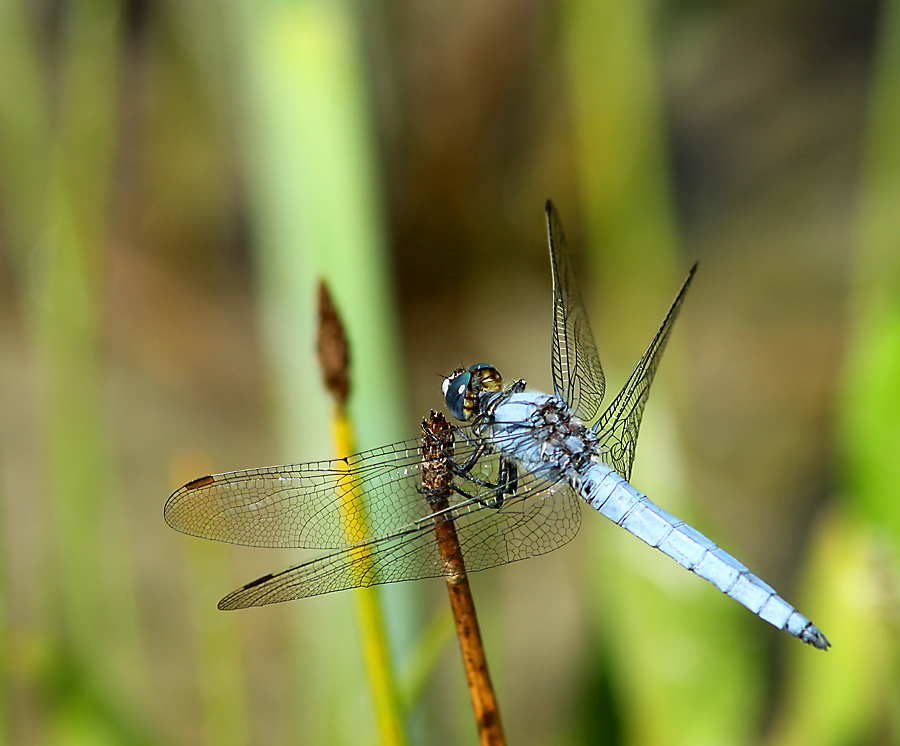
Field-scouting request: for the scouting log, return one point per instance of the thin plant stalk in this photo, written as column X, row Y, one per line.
column 437, row 443
column 334, row 362
column 309, row 151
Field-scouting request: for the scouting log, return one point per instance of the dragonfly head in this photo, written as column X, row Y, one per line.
column 463, row 388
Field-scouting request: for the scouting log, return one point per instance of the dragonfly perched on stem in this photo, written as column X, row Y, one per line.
column 522, row 462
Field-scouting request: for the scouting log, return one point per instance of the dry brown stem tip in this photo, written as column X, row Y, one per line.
column 332, row 348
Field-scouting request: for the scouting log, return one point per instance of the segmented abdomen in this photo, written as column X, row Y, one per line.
column 615, row 498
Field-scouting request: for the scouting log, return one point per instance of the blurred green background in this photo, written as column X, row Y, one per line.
column 176, row 175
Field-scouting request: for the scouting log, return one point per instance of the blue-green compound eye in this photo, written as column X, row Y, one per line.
column 463, row 388
column 455, row 394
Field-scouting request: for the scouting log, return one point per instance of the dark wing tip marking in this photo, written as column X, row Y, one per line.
column 258, row 581
column 198, row 483
column 687, row 280
column 233, row 600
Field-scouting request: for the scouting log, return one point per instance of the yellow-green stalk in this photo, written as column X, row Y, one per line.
column 334, row 360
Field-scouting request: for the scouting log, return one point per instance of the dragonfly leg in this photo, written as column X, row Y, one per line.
column 494, row 503
column 463, row 470
column 517, row 387
column 507, row 479
column 480, row 450
column 507, row 476
column 506, row 485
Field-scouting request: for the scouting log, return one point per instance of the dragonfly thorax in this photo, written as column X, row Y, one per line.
column 541, row 433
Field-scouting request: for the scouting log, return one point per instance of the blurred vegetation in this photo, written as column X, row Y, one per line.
column 176, row 176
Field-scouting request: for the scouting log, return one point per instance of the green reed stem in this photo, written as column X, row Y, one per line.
column 314, row 188
column 612, row 70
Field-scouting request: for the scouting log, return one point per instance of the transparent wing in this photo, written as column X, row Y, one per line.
column 618, row 426
column 577, row 375
column 534, row 521
column 302, row 505
column 308, row 506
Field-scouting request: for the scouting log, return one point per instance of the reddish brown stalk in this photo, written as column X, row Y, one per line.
column 437, row 449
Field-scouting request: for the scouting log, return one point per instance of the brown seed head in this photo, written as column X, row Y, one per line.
column 334, row 353
column 437, row 449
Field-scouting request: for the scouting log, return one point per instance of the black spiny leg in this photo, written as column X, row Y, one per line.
column 507, row 482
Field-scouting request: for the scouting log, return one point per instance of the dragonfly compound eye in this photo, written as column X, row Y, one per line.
column 488, row 376
column 458, row 396
column 463, row 387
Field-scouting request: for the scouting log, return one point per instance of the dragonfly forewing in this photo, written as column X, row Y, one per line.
column 577, row 374
column 305, row 506
column 301, row 505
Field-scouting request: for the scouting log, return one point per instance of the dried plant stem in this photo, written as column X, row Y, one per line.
column 437, row 446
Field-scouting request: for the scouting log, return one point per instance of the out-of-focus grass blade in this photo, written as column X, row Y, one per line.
column 226, row 719
column 310, row 157
column 850, row 695
column 620, row 159
column 871, row 412
column 424, row 656
column 66, row 315
column 311, row 162
column 24, row 130
column 839, row 698
column 23, row 142
column 56, row 165
column 674, row 649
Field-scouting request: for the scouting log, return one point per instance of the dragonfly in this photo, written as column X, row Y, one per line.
column 520, row 464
